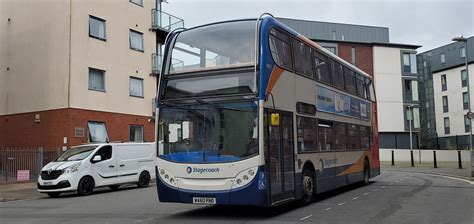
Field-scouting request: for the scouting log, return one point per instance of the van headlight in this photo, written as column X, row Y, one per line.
column 244, row 177
column 72, row 168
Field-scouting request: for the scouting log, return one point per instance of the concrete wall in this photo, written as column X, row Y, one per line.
column 455, row 104
column 35, row 49
column 403, row 155
column 113, row 55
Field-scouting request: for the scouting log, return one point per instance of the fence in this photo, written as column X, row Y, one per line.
column 23, row 164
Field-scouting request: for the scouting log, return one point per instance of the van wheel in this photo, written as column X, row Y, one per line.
column 366, row 180
column 114, row 187
column 144, row 179
column 53, row 194
column 86, row 186
column 308, row 187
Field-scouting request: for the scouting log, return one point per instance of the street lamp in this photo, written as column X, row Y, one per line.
column 410, row 120
column 463, row 39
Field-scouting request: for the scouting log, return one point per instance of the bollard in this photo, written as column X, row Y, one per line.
column 459, row 159
column 411, row 157
column 435, row 165
column 393, row 158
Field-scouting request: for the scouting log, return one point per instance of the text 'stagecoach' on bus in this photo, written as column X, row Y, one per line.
column 249, row 112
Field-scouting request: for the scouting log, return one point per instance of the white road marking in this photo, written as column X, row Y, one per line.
column 143, row 220
column 306, row 217
column 448, row 177
column 355, row 198
column 397, row 181
column 376, row 189
column 366, row 193
column 327, row 209
column 180, row 211
column 391, row 184
column 383, row 187
column 341, row 203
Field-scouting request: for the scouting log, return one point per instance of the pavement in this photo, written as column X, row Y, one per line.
column 444, row 168
column 396, row 196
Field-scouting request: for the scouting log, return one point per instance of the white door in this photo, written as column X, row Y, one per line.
column 104, row 171
column 127, row 163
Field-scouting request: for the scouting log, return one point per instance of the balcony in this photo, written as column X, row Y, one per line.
column 156, row 63
column 165, row 22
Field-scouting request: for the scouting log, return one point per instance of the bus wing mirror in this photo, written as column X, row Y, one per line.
column 275, row 119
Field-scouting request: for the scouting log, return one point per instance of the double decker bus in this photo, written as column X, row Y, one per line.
column 249, row 112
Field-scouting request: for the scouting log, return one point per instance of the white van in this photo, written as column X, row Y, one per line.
column 84, row 167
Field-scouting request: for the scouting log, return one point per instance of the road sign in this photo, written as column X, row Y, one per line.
column 470, row 115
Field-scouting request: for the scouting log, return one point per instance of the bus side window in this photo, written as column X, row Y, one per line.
column 360, row 85
column 338, row 77
column 306, row 134
column 349, row 77
column 325, row 136
column 321, row 68
column 340, row 135
column 354, row 136
column 281, row 49
column 302, row 56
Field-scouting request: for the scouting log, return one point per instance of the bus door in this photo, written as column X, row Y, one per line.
column 281, row 156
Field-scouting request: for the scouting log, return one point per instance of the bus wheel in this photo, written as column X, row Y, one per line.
column 308, row 187
column 366, row 181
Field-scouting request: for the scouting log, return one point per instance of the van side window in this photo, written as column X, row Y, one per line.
column 105, row 152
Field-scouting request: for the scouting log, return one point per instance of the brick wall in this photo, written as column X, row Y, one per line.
column 21, row 130
column 364, row 56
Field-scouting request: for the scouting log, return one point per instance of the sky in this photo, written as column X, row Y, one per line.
column 430, row 23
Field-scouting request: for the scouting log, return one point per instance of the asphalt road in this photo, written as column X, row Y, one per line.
column 393, row 197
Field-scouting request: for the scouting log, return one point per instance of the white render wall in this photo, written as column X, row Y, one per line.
column 455, row 104
column 389, row 89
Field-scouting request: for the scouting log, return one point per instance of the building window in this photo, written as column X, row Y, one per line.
column 136, row 40
column 427, row 104
column 446, row 125
column 97, row 132
column 97, row 28
column 464, row 78
column 409, row 63
column 353, row 55
column 331, row 49
column 442, row 58
column 465, row 101
column 136, row 87
column 445, row 104
column 424, row 64
column 444, row 84
column 467, row 124
column 96, row 79
column 428, row 124
column 412, row 115
column 137, row 2
column 411, row 90
column 136, row 133
column 462, row 52
column 307, row 134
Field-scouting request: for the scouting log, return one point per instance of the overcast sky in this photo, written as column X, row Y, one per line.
column 430, row 23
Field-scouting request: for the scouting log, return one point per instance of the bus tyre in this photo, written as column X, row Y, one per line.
column 86, row 186
column 144, row 179
column 308, row 187
column 366, row 180
column 53, row 194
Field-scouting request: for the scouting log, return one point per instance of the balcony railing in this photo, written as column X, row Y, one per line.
column 164, row 21
column 157, row 60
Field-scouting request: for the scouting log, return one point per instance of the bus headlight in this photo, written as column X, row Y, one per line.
column 244, row 177
column 167, row 177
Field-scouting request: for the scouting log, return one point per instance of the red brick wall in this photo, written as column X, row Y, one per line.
column 364, row 56
column 21, row 130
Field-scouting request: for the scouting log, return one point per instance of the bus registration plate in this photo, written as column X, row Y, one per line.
column 202, row 200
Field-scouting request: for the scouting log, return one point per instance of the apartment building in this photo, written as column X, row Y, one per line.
column 73, row 72
column 446, row 98
column 392, row 65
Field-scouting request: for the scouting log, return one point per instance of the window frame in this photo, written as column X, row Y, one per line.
column 447, row 129
column 105, row 28
column 464, row 81
column 326, row 125
column 462, row 52
column 323, row 57
column 465, row 104
column 142, row 127
column 130, row 40
column 279, row 36
column 442, row 58
column 89, row 80
column 350, row 74
column 339, row 74
column 133, row 1
column 102, row 159
column 467, row 124
column 294, row 51
column 89, row 136
column 142, row 87
column 444, row 86
column 445, row 107
column 314, row 122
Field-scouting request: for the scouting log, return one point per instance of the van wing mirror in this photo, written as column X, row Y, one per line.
column 97, row 158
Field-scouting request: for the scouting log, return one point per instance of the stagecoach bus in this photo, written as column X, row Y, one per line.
column 250, row 112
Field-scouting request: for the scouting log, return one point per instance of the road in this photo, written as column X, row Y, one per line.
column 393, row 197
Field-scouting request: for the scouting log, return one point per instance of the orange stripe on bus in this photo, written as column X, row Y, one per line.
column 276, row 73
column 357, row 166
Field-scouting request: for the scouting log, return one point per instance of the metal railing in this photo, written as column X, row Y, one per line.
column 24, row 164
column 157, row 60
column 165, row 21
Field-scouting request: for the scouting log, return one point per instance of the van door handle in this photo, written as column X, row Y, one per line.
column 122, row 165
column 111, row 166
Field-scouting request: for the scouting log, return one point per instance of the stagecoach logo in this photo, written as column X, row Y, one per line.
column 189, row 169
column 201, row 170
